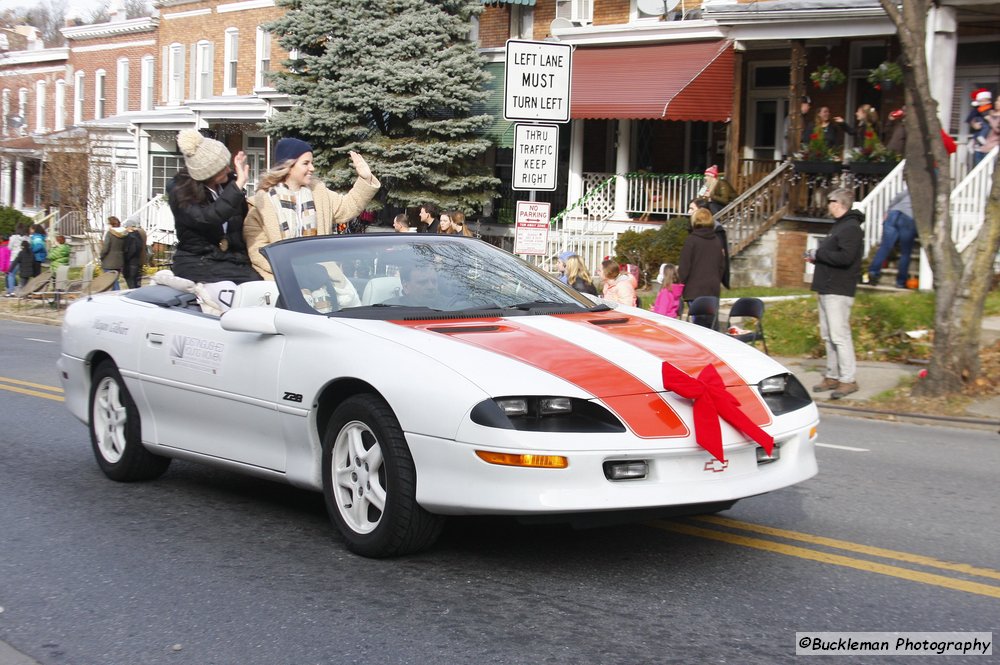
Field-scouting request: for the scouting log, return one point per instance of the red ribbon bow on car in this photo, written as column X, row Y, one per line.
column 711, row 402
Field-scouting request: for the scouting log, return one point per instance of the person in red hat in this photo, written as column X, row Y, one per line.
column 980, row 126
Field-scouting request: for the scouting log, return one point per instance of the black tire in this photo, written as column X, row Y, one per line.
column 370, row 483
column 116, row 432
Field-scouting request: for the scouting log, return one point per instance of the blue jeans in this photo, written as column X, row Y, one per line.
column 12, row 277
column 896, row 227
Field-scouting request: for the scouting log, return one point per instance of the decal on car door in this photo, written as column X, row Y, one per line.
column 203, row 355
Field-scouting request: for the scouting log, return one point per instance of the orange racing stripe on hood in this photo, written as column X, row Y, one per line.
column 677, row 348
column 637, row 404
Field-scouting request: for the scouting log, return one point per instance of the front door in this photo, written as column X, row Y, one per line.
column 212, row 391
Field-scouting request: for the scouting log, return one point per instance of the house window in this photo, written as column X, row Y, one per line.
column 163, row 167
column 580, row 12
column 232, row 54
column 263, row 59
column 121, row 86
column 78, row 98
column 474, row 29
column 175, row 74
column 203, row 84
column 146, row 83
column 255, row 148
column 22, row 111
column 59, row 121
column 521, row 21
column 99, row 93
column 40, row 106
column 5, row 109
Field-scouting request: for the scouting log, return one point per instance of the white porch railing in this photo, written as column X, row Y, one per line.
column 156, row 219
column 876, row 204
column 968, row 201
column 646, row 194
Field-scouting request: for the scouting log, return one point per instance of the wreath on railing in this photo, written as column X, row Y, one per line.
column 827, row 76
column 886, row 75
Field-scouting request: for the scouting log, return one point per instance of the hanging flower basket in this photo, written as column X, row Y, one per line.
column 826, row 77
column 885, row 76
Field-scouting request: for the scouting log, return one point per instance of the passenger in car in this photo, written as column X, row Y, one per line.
column 207, row 200
column 290, row 203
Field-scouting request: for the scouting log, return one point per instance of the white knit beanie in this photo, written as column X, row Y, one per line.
column 203, row 157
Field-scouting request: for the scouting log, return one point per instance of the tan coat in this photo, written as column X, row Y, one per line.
column 261, row 226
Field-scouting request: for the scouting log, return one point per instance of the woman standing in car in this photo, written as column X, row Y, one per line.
column 209, row 206
column 290, row 203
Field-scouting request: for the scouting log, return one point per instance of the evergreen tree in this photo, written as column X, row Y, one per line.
column 394, row 80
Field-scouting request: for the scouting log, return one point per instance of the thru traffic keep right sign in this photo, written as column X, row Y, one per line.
column 536, row 156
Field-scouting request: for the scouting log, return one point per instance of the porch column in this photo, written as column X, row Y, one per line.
column 622, row 160
column 5, row 182
column 574, row 184
column 942, row 43
column 18, row 183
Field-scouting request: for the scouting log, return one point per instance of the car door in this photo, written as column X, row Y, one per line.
column 213, row 391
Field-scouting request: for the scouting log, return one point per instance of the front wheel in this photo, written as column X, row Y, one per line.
column 370, row 482
column 115, row 430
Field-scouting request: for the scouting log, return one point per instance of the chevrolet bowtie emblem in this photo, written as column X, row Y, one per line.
column 715, row 466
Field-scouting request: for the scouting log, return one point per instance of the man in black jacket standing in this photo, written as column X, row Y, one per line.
column 835, row 279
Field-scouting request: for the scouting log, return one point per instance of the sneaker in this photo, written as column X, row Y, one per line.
column 873, row 279
column 826, row 384
column 844, row 389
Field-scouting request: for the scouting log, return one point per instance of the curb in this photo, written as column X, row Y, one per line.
column 984, row 424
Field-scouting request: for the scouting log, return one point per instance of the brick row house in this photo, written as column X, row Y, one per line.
column 660, row 91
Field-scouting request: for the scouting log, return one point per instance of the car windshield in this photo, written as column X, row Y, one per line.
column 399, row 275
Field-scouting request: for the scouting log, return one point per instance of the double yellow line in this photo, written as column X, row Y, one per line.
column 727, row 532
column 34, row 389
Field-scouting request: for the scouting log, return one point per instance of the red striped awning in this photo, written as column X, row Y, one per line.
column 680, row 81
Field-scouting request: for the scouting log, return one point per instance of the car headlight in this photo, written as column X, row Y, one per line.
column 783, row 393
column 545, row 414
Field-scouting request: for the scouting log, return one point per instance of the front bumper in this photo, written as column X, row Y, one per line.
column 451, row 479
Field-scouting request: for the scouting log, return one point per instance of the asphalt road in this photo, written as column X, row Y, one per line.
column 203, row 567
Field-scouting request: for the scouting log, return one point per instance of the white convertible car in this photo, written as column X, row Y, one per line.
column 410, row 377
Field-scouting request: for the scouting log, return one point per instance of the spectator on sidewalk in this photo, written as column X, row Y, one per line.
column 59, row 255
column 113, row 249
column 837, row 263
column 134, row 252
column 429, row 222
column 669, row 298
column 14, row 243
column 617, row 284
column 703, row 261
column 578, row 276
column 898, row 227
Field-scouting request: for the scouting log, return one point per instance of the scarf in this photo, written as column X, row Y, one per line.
column 296, row 211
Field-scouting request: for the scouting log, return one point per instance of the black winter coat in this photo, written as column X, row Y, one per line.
column 702, row 264
column 201, row 255
column 838, row 257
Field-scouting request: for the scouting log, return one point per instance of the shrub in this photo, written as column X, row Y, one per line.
column 10, row 218
column 652, row 247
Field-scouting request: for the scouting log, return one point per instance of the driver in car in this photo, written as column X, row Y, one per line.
column 419, row 284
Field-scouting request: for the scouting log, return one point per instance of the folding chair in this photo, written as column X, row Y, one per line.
column 745, row 309
column 704, row 311
column 103, row 282
column 36, row 288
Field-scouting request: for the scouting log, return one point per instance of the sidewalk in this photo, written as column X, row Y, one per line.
column 874, row 378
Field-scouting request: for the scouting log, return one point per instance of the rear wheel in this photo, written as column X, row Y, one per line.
column 115, row 430
column 370, row 483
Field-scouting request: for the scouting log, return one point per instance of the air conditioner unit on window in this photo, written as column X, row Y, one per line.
column 580, row 12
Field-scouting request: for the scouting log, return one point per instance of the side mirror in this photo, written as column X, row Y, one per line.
column 260, row 320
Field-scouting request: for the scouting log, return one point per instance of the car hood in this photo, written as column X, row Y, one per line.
column 607, row 355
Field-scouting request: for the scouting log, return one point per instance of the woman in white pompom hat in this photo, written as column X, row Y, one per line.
column 209, row 206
